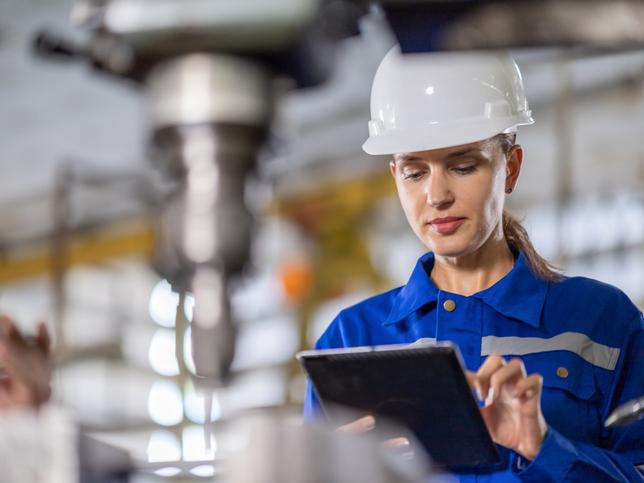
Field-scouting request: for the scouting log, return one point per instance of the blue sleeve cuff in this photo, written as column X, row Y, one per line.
column 553, row 462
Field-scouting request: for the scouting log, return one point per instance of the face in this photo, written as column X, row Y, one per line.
column 453, row 197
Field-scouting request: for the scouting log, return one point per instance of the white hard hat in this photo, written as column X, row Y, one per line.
column 436, row 100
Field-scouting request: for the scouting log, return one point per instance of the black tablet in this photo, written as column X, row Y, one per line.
column 421, row 386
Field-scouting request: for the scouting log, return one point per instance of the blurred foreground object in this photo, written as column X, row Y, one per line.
column 25, row 366
column 626, row 413
column 40, row 439
column 41, row 446
column 279, row 451
column 46, row 446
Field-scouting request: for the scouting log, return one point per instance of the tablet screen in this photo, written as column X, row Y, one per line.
column 421, row 387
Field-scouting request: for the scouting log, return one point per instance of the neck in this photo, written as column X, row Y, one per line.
column 469, row 274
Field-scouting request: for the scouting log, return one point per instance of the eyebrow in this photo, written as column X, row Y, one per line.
column 463, row 152
column 406, row 158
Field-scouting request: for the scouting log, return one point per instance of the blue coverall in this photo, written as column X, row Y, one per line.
column 585, row 338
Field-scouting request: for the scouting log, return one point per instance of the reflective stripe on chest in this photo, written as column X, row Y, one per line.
column 597, row 354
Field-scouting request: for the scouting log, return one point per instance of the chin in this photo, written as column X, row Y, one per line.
column 448, row 253
column 449, row 248
column 458, row 244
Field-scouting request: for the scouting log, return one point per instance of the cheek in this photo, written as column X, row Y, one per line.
column 495, row 200
column 494, row 211
column 408, row 204
column 412, row 205
column 484, row 200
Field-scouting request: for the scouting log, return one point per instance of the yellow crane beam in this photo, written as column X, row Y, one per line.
column 80, row 247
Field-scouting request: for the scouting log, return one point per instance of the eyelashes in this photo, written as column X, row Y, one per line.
column 415, row 175
column 465, row 169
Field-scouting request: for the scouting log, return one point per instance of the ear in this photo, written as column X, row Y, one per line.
column 513, row 166
column 392, row 168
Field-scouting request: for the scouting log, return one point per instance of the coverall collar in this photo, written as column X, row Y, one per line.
column 519, row 295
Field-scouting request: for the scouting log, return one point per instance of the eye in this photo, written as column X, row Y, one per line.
column 412, row 175
column 465, row 169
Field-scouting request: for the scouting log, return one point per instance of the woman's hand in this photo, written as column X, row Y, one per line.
column 512, row 411
column 25, row 366
column 400, row 444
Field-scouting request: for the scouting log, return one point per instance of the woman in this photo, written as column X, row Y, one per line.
column 551, row 356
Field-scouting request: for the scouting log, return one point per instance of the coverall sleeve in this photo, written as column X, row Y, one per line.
column 621, row 458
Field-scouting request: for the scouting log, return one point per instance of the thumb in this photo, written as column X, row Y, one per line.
column 471, row 379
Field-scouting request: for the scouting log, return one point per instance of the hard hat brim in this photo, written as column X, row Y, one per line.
column 435, row 136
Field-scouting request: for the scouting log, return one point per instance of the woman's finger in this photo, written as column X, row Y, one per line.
column 505, row 377
column 482, row 383
column 401, row 446
column 400, row 442
column 471, row 379
column 529, row 387
column 366, row 423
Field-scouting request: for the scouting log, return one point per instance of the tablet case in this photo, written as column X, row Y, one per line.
column 422, row 387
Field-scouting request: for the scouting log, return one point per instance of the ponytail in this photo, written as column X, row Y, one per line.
column 519, row 241
column 516, row 236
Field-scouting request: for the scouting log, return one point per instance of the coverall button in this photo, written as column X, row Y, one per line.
column 449, row 305
column 562, row 372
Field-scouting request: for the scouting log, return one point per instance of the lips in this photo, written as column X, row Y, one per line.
column 446, row 225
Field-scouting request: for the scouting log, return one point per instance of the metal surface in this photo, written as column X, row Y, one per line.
column 209, row 114
column 294, row 38
column 627, row 413
column 188, row 90
column 279, row 451
column 224, row 25
column 102, row 463
column 590, row 25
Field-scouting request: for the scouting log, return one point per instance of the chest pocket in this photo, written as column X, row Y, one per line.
column 571, row 400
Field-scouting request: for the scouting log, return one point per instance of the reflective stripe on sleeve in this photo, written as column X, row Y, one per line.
column 424, row 340
column 598, row 354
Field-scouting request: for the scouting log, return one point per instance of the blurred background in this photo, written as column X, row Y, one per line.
column 79, row 216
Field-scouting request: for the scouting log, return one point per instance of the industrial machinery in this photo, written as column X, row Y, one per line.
column 208, row 71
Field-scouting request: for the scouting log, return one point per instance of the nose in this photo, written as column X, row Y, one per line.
column 437, row 190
